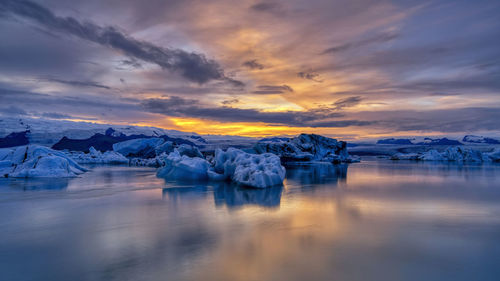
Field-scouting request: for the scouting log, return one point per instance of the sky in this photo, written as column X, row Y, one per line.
column 348, row 68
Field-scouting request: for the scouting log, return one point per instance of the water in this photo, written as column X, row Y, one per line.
column 375, row 220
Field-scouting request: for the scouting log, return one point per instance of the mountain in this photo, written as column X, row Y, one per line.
column 394, row 141
column 14, row 139
column 48, row 132
column 441, row 141
column 479, row 139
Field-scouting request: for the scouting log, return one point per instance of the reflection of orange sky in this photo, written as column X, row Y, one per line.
column 311, row 238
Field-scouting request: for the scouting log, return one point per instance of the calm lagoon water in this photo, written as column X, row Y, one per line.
column 375, row 220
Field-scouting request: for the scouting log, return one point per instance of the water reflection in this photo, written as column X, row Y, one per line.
column 383, row 222
column 34, row 184
column 316, row 173
column 235, row 196
column 224, row 194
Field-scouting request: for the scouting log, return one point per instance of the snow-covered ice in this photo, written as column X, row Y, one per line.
column 32, row 161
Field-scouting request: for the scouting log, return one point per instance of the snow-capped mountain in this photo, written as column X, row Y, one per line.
column 479, row 139
column 48, row 132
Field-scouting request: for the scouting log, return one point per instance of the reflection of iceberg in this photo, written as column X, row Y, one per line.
column 185, row 193
column 316, row 173
column 35, row 184
column 236, row 196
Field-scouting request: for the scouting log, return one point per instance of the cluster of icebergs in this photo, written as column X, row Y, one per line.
column 30, row 161
column 455, row 154
column 259, row 168
column 96, row 157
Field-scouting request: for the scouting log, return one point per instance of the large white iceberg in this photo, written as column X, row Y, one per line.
column 96, row 157
column 259, row 171
column 31, row 161
column 307, row 147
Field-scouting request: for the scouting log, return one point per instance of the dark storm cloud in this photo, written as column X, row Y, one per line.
column 347, row 102
column 253, row 64
column 193, row 66
column 272, row 90
column 78, row 83
column 180, row 107
column 379, row 38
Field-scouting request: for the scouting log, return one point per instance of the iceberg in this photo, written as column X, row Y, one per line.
column 189, row 150
column 307, row 147
column 494, row 155
column 143, row 147
column 452, row 154
column 96, row 157
column 253, row 170
column 182, row 167
column 31, row 161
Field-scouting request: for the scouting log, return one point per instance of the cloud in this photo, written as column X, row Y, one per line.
column 230, row 101
column 192, row 66
column 272, row 90
column 13, row 111
column 310, row 75
column 452, row 120
column 253, row 64
column 347, row 102
column 442, row 94
column 190, row 108
column 379, row 38
column 78, row 83
column 131, row 63
column 55, row 115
